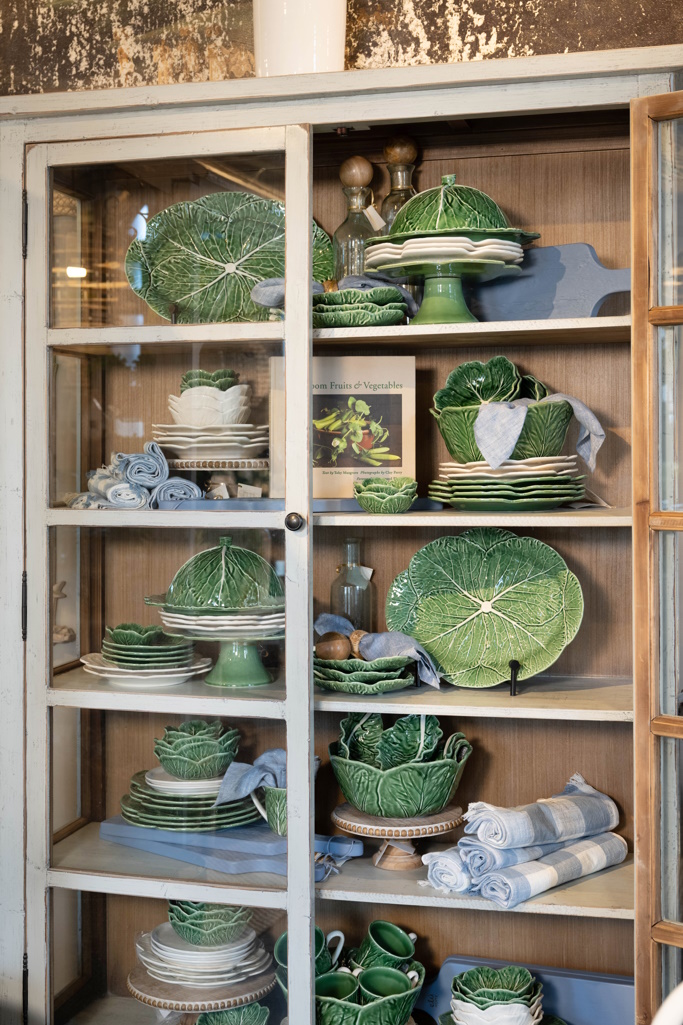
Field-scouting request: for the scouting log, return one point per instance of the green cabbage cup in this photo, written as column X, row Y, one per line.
column 543, row 434
column 404, row 791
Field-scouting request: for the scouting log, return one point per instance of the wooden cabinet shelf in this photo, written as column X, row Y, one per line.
column 520, row 332
column 83, row 861
column 608, row 894
column 596, row 517
column 574, row 699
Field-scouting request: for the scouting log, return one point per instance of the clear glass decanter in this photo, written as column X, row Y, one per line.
column 349, row 238
column 352, row 594
column 401, row 179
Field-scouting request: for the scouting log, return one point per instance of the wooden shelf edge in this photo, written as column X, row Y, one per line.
column 606, row 894
column 529, row 332
column 239, row 520
column 577, row 699
column 163, row 334
column 450, row 518
column 78, row 689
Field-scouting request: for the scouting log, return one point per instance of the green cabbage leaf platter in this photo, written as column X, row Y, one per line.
column 477, row 600
column 200, row 259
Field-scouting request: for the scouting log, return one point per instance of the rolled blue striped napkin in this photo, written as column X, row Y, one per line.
column 578, row 811
column 508, row 887
column 481, row 858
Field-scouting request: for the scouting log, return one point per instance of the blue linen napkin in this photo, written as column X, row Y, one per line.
column 175, row 489
column 383, row 645
column 271, row 292
column 508, row 887
column 446, row 871
column 84, row 500
column 121, row 494
column 499, row 425
column 269, row 770
column 578, row 811
column 481, row 858
column 148, row 468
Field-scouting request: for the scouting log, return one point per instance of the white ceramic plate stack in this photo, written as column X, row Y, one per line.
column 445, row 249
column 228, row 626
column 165, row 783
column 169, row 958
column 222, row 441
column 512, row 469
column 144, row 679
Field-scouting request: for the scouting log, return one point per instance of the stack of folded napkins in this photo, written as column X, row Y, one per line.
column 517, row 853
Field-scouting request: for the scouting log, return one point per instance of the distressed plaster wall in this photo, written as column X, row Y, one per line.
column 82, row 44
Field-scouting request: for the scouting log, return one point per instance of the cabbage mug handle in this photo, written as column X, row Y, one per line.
column 336, row 934
column 259, row 807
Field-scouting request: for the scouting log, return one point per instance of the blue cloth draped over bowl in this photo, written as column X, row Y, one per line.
column 499, row 425
column 268, row 770
column 271, row 292
column 383, row 645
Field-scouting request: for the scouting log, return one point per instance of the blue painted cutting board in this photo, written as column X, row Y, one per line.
column 556, row 281
column 578, row 998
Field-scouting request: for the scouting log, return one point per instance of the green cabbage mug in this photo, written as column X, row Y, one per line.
column 385, row 945
column 275, row 811
column 325, row 959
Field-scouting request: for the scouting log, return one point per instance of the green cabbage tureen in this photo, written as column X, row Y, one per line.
column 401, row 772
column 223, row 579
column 449, row 206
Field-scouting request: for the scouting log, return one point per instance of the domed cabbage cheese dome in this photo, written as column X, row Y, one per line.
column 224, row 578
column 449, row 207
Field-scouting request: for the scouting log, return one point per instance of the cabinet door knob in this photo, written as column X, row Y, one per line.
column 293, row 521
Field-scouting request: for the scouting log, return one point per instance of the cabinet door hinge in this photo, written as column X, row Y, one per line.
column 24, row 223
column 24, row 605
column 24, row 991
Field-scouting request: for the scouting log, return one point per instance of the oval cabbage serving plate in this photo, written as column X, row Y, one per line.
column 200, row 259
column 484, row 597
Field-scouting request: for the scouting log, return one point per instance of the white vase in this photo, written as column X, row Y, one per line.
column 294, row 37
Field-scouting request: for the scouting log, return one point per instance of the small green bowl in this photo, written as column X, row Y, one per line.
column 197, row 750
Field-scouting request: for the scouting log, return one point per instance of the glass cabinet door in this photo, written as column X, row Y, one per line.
column 169, row 572
column 657, row 182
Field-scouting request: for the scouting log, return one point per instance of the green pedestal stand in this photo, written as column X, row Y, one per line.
column 444, row 302
column 239, row 665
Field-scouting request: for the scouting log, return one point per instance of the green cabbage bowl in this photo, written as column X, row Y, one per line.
column 208, row 925
column 196, row 749
column 403, row 791
column 543, row 434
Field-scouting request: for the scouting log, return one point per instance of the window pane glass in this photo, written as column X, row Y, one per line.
column 672, row 969
column 143, row 242
column 670, row 402
column 670, row 278
column 670, row 593
column 671, row 769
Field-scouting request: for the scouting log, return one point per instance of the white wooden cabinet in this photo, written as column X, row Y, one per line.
column 547, row 137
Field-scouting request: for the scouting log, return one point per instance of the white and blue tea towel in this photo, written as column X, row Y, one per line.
column 578, row 811
column 499, row 425
column 148, row 468
column 121, row 494
column 481, row 858
column 508, row 887
column 447, row 872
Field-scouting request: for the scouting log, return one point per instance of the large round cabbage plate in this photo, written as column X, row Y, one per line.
column 480, row 599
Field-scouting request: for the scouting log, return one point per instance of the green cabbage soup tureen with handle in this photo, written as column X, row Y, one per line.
column 444, row 235
column 402, row 772
column 230, row 595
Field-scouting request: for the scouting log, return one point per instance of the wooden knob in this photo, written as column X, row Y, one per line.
column 356, row 171
column 400, row 150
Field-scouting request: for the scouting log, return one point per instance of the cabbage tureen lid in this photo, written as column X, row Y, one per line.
column 449, row 206
column 226, row 577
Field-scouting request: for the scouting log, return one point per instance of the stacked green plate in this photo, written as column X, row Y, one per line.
column 355, row 676
column 132, row 646
column 353, row 307
column 491, row 494
column 144, row 806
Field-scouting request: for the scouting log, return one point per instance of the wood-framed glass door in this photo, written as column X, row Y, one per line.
column 99, row 371
column 657, row 191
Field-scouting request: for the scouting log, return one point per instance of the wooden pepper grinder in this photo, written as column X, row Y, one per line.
column 399, row 153
column 349, row 239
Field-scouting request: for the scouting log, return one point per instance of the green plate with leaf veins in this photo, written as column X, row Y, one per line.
column 379, row 317
column 358, row 665
column 358, row 676
column 380, row 296
column 355, row 687
column 251, row 1014
column 481, row 598
column 200, row 259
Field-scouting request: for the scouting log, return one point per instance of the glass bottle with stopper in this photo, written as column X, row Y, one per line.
column 349, row 239
column 352, row 591
column 399, row 153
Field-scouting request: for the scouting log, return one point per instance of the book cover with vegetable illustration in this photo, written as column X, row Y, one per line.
column 363, row 421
